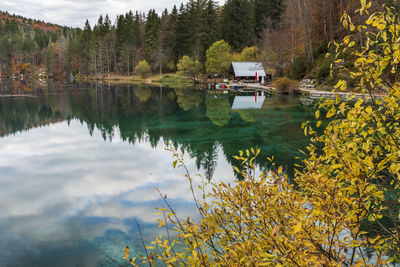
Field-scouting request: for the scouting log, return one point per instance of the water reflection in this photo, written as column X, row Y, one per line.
column 70, row 198
column 248, row 102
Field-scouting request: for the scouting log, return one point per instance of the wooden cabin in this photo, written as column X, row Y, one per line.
column 247, row 71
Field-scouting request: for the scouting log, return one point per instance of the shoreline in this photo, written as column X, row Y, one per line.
column 168, row 79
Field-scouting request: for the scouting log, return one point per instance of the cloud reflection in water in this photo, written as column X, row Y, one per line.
column 71, row 198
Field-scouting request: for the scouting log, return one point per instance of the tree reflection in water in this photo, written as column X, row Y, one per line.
column 192, row 120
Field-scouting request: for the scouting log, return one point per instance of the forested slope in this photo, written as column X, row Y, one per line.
column 280, row 30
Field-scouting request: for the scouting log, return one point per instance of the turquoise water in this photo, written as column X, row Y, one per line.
column 79, row 163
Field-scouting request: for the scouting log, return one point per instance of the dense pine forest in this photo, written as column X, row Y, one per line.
column 276, row 32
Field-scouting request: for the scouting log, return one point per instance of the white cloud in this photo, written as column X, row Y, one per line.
column 74, row 13
column 59, row 186
column 57, row 175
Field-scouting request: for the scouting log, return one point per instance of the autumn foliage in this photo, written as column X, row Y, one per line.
column 343, row 207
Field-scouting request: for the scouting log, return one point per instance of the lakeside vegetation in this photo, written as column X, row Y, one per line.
column 342, row 208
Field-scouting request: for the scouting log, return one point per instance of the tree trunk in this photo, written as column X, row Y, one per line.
column 325, row 20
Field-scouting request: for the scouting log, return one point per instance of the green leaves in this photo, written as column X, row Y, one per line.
column 218, row 58
column 189, row 67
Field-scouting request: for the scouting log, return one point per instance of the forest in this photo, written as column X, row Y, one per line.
column 276, row 32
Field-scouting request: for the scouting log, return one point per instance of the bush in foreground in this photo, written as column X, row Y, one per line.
column 344, row 210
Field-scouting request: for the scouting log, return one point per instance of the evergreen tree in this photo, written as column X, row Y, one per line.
column 212, row 20
column 136, row 30
column 121, row 30
column 238, row 23
column 267, row 12
column 152, row 29
column 169, row 36
column 183, row 34
column 85, row 46
column 211, row 30
column 106, row 25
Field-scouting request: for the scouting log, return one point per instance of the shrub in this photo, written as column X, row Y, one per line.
column 298, row 69
column 285, row 85
column 143, row 69
column 321, row 49
column 343, row 209
column 189, row 67
column 324, row 70
column 171, row 66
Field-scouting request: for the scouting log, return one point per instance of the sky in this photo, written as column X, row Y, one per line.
column 74, row 13
column 74, row 189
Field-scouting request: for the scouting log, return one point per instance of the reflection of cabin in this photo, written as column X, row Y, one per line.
column 248, row 102
column 247, row 71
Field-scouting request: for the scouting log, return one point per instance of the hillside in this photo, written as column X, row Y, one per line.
column 279, row 33
column 28, row 22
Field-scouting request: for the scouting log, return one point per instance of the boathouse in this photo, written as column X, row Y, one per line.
column 247, row 72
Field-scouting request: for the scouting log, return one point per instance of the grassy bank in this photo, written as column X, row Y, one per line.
column 168, row 79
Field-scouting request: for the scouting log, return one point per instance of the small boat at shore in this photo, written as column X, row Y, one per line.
column 227, row 86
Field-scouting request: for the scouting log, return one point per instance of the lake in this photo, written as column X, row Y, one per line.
column 79, row 163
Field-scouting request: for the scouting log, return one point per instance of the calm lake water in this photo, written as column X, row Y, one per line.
column 79, row 163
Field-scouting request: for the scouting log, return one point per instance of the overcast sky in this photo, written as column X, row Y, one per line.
column 74, row 12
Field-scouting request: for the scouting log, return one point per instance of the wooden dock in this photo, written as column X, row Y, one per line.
column 316, row 95
column 307, row 88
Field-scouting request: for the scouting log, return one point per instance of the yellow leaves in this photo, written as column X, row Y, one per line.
column 384, row 37
column 132, row 261
column 126, row 253
column 274, row 230
column 236, row 169
column 174, row 163
column 338, row 186
column 297, row 228
column 381, row 25
column 342, row 84
column 317, row 113
column 331, row 112
column 368, row 162
column 161, row 223
column 335, row 166
column 280, row 170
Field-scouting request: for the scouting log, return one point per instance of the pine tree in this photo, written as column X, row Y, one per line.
column 238, row 23
column 85, row 45
column 211, row 28
column 136, row 31
column 183, row 34
column 267, row 12
column 152, row 29
column 170, row 34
